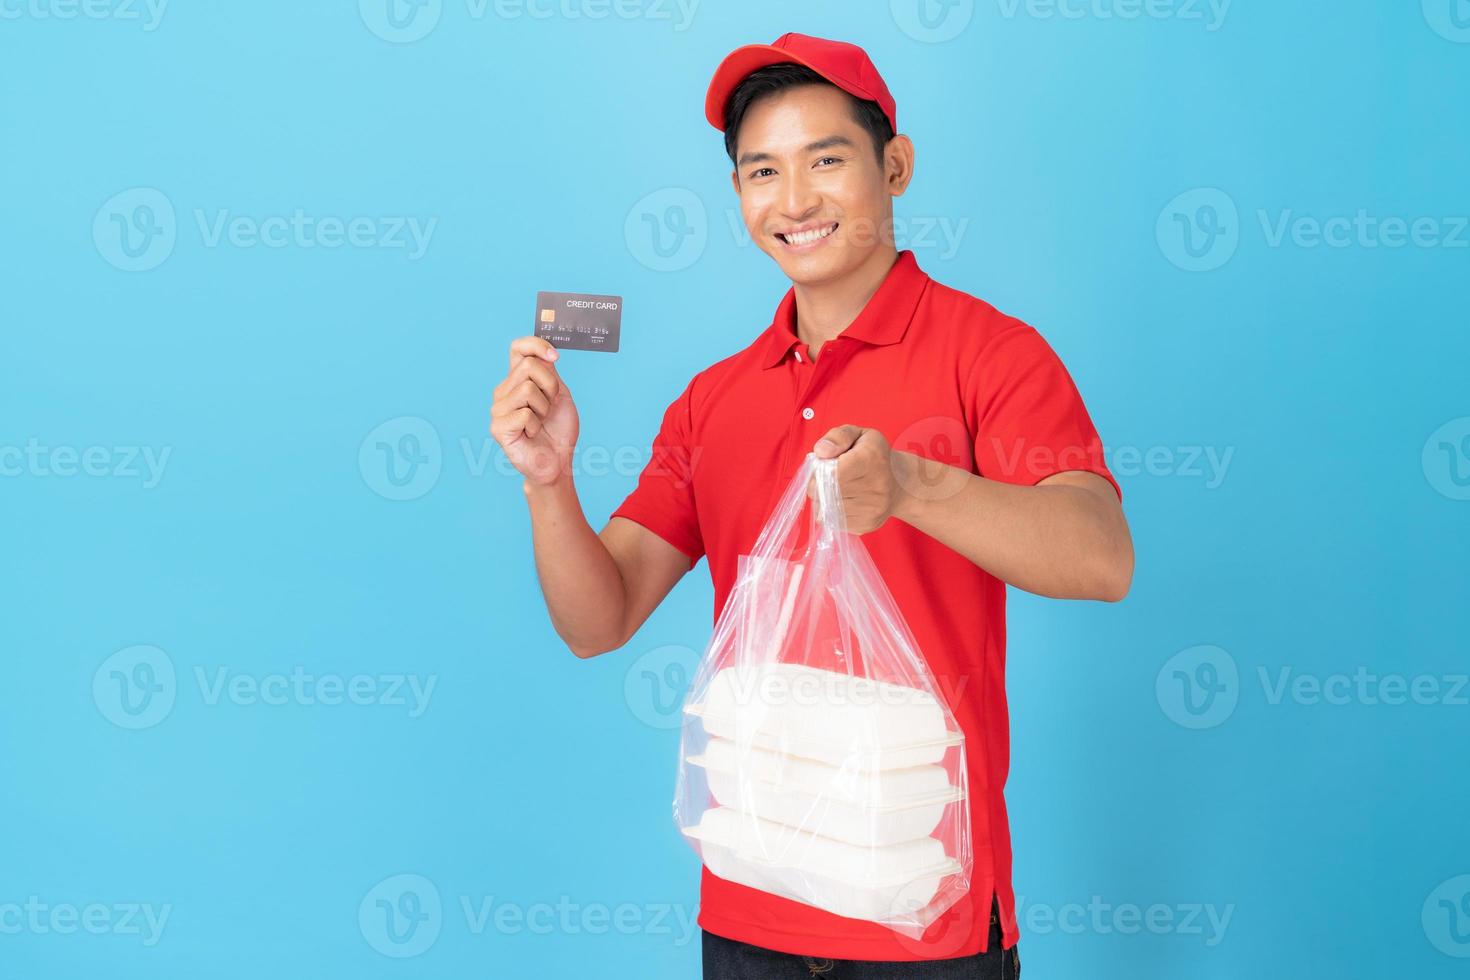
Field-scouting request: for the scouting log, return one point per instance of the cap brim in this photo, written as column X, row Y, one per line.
column 732, row 71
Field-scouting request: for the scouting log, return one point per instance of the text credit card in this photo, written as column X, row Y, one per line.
column 579, row 321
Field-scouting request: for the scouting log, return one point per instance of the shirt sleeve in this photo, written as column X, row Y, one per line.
column 663, row 500
column 1027, row 415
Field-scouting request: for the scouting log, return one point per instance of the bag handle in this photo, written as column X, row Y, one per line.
column 828, row 498
column 778, row 537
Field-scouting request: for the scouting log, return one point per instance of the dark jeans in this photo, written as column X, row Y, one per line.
column 726, row 959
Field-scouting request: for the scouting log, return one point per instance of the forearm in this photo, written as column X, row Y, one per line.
column 1063, row 541
column 583, row 587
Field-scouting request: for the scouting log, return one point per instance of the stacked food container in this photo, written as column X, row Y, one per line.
column 830, row 789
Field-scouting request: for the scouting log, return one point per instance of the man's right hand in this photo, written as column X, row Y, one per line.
column 532, row 417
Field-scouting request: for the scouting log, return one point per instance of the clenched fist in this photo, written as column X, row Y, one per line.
column 871, row 476
column 532, row 417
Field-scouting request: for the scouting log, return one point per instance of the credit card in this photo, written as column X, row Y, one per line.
column 579, row 321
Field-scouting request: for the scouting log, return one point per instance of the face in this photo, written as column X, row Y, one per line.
column 814, row 195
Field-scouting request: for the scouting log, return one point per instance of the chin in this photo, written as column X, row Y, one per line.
column 818, row 267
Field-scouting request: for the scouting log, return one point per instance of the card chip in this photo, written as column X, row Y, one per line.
column 548, row 316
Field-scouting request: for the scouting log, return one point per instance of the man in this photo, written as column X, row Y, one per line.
column 965, row 457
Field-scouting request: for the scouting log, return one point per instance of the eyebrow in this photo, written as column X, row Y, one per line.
column 821, row 144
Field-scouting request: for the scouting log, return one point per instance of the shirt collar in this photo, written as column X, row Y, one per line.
column 884, row 320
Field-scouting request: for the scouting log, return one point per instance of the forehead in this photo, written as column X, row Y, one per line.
column 795, row 116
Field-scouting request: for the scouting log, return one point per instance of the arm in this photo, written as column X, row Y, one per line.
column 599, row 589
column 1066, row 537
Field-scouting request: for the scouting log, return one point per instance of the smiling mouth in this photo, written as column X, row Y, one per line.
column 800, row 238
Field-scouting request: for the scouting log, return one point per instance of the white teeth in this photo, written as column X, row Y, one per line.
column 807, row 237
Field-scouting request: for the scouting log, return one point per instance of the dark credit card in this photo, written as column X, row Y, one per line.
column 579, row 321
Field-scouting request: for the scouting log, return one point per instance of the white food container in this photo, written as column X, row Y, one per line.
column 863, row 807
column 825, row 715
column 876, row 884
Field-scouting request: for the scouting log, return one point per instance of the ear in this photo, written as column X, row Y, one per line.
column 735, row 181
column 898, row 164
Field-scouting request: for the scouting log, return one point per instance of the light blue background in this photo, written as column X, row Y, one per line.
column 1332, row 540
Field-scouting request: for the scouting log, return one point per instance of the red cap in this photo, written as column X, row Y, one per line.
column 845, row 65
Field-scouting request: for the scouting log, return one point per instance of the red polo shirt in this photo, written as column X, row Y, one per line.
column 941, row 374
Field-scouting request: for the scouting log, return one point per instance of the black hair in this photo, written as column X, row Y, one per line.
column 787, row 75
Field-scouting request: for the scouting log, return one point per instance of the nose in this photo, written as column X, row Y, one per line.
column 799, row 198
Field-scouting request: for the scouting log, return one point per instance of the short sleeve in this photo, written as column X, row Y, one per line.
column 663, row 500
column 1027, row 415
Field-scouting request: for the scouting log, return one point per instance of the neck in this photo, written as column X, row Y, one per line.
column 825, row 309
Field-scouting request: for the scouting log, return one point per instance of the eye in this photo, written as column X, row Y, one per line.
column 826, row 159
column 761, row 172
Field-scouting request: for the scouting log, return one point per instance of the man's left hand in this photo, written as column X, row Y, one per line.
column 867, row 475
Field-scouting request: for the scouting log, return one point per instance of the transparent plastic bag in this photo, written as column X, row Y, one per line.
column 818, row 759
